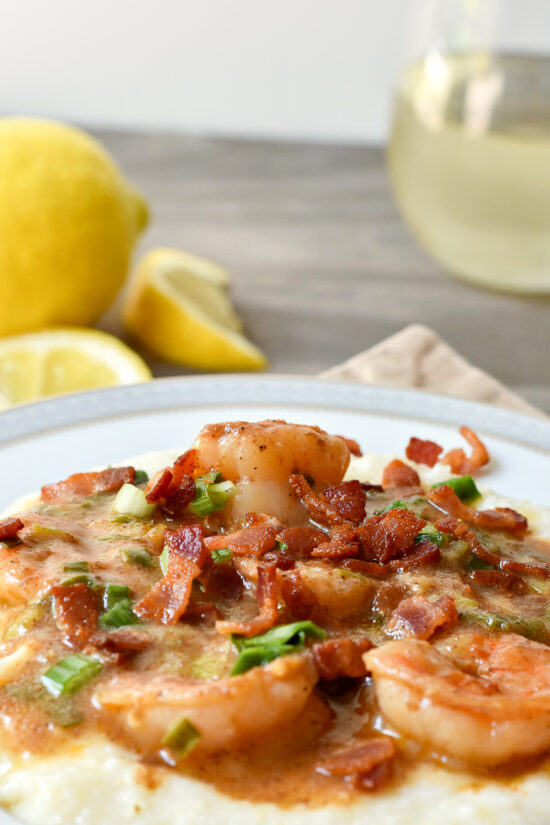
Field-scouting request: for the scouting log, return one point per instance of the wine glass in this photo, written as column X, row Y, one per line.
column 469, row 155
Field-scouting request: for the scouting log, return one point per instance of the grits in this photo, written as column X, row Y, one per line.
column 96, row 782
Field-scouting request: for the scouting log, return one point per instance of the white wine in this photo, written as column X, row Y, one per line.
column 469, row 160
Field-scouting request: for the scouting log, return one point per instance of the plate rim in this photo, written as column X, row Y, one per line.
column 37, row 419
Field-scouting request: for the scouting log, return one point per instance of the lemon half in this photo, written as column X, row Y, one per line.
column 179, row 308
column 56, row 361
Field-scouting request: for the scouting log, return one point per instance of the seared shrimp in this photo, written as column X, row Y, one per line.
column 260, row 458
column 484, row 700
column 227, row 712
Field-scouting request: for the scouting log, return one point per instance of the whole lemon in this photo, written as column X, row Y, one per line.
column 68, row 224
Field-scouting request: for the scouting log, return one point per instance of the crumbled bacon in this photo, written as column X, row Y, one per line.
column 423, row 451
column 76, row 613
column 352, row 445
column 9, row 528
column 507, row 582
column 119, row 645
column 221, row 582
column 398, row 475
column 250, row 541
column 365, row 766
column 174, row 487
column 318, row 507
column 417, row 618
column 427, row 553
column 501, row 518
column 298, row 597
column 389, row 535
column 266, row 596
column 334, row 658
column 281, row 560
column 80, row 485
column 367, row 568
column 167, row 600
column 348, row 499
column 202, row 611
column 459, row 462
column 300, row 541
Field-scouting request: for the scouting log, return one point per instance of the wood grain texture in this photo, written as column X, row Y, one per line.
column 322, row 264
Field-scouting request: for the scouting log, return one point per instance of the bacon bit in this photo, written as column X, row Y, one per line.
column 318, row 508
column 167, row 600
column 158, row 486
column 222, row 582
column 202, row 611
column 280, row 560
column 298, row 597
column 459, row 462
column 300, row 541
column 266, row 596
column 417, row 618
column 335, row 549
column 174, row 487
column 9, row 528
column 76, row 613
column 453, row 526
column 428, row 553
column 334, row 658
column 250, row 541
column 388, row 596
column 119, row 645
column 423, row 451
column 370, row 569
column 507, row 582
column 365, row 767
column 80, row 485
column 348, row 499
column 352, row 445
column 389, row 535
column 501, row 518
column 398, row 475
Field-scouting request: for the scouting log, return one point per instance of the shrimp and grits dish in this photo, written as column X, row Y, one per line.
column 272, row 628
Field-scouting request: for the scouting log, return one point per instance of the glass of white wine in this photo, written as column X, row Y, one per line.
column 469, row 155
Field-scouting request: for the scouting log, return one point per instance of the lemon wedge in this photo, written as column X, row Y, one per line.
column 179, row 308
column 39, row 364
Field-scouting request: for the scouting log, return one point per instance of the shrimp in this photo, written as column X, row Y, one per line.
column 227, row 712
column 480, row 699
column 261, row 457
column 340, row 593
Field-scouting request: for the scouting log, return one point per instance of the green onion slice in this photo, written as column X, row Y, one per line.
column 141, row 477
column 395, row 505
column 211, row 495
column 76, row 567
column 279, row 641
column 137, row 555
column 181, row 738
column 164, row 560
column 430, row 533
column 70, row 674
column 114, row 593
column 119, row 615
column 130, row 501
column 250, row 657
column 221, row 556
column 464, row 486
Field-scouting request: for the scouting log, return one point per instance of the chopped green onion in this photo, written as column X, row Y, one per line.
column 114, row 593
column 210, row 496
column 39, row 532
column 395, row 505
column 181, row 738
column 279, row 641
column 137, row 555
column 79, row 578
column 119, row 615
column 464, row 486
column 120, row 519
column 164, row 560
column 141, row 477
column 76, row 567
column 70, row 674
column 283, row 546
column 209, row 478
column 475, row 563
column 534, row 629
column 131, row 501
column 221, row 556
column 430, row 533
column 250, row 657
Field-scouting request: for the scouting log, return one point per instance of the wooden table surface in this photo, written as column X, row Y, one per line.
column 322, row 265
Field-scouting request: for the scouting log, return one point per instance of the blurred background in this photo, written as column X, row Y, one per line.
column 260, row 136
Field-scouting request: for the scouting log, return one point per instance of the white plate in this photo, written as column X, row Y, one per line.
column 47, row 441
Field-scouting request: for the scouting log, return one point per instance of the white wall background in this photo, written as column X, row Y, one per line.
column 320, row 69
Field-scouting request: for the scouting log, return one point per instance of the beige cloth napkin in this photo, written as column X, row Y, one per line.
column 417, row 357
